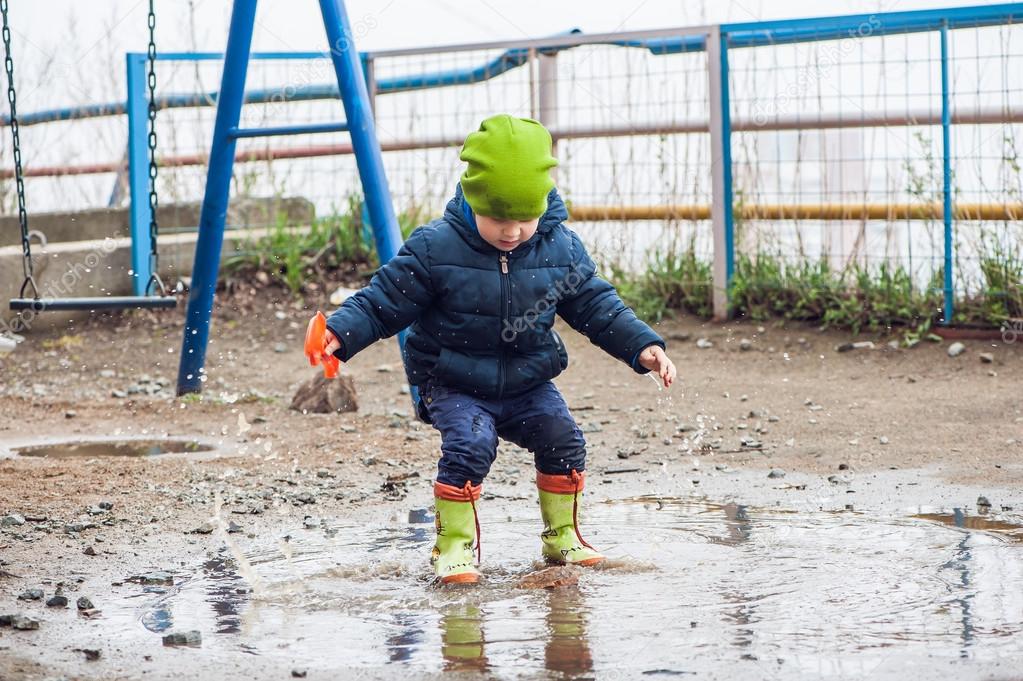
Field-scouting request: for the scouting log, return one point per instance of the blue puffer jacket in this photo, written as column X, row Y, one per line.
column 480, row 318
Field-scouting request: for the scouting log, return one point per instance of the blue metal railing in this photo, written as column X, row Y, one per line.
column 732, row 36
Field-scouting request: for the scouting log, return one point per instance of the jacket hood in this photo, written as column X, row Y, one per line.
column 556, row 213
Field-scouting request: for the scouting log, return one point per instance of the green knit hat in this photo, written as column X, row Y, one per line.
column 509, row 168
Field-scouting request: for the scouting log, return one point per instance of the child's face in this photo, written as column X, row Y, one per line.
column 505, row 235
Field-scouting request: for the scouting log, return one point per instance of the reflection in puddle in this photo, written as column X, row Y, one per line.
column 691, row 588
column 112, row 448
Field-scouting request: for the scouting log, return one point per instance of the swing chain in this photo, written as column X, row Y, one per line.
column 26, row 245
column 154, row 256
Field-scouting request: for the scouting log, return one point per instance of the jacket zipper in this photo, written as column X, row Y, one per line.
column 503, row 259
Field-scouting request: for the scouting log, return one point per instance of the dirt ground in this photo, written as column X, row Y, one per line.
column 789, row 402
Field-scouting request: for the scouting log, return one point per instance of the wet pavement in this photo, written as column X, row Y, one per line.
column 721, row 590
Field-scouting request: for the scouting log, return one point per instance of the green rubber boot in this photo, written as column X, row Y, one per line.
column 559, row 507
column 457, row 526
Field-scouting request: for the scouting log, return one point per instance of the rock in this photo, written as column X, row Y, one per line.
column 280, row 348
column 234, row 528
column 12, row 520
column 91, row 654
column 844, row 347
column 341, row 295
column 310, row 523
column 84, row 603
column 883, row 440
column 183, row 638
column 550, row 578
column 106, row 505
column 119, row 394
column 703, row 343
column 154, row 578
column 385, row 369
column 78, row 527
column 983, row 506
column 107, row 373
column 986, row 357
column 57, row 601
column 7, row 345
column 5, row 620
column 298, row 673
column 745, row 344
column 206, row 528
column 24, row 622
column 30, row 595
column 956, row 349
column 839, row 479
column 318, row 395
column 750, row 443
column 776, row 473
column 419, row 516
column 70, row 414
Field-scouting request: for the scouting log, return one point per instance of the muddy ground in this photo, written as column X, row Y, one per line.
column 877, row 430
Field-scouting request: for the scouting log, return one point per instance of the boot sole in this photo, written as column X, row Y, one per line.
column 589, row 562
column 463, row 578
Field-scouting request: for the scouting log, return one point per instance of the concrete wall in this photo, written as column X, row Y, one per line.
column 101, row 266
column 99, row 223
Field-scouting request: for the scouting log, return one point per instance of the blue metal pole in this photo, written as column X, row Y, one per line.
column 726, row 160
column 351, row 79
column 946, row 168
column 358, row 114
column 138, row 171
column 215, row 200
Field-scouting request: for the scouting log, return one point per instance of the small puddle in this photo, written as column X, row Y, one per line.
column 690, row 587
column 98, row 448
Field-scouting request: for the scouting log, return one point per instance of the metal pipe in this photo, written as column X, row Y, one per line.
column 825, row 211
column 946, row 171
column 215, row 200
column 721, row 210
column 139, row 211
column 878, row 119
column 239, row 133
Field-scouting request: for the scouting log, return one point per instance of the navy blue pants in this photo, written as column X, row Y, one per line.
column 538, row 421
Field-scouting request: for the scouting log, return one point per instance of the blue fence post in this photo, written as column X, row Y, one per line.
column 137, row 107
column 721, row 171
column 215, row 200
column 946, row 171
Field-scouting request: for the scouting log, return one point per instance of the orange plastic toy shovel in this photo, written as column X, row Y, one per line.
column 315, row 342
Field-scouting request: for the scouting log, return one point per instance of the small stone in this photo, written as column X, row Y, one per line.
column 5, row 620
column 385, row 369
column 12, row 520
column 91, row 654
column 773, row 419
column 24, row 622
column 839, row 479
column 280, row 348
column 776, row 473
column 883, row 440
column 844, row 347
column 745, row 344
column 30, row 595
column 107, row 373
column 159, row 578
column 956, row 349
column 419, row 516
column 703, row 343
column 982, row 502
column 986, row 357
column 84, row 603
column 298, row 673
column 843, row 466
column 233, row 527
column 106, row 505
column 310, row 523
column 183, row 638
column 750, row 443
column 57, row 601
column 70, row 414
column 119, row 394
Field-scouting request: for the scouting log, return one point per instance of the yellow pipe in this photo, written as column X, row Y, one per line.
column 824, row 211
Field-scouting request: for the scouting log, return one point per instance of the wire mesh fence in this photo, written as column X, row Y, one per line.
column 836, row 140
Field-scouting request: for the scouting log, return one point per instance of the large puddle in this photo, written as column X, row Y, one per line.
column 721, row 590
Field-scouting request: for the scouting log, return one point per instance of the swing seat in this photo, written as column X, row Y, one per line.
column 100, row 303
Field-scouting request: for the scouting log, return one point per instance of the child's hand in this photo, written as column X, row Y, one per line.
column 333, row 344
column 654, row 359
